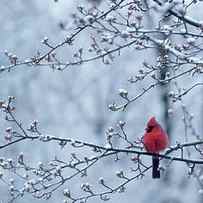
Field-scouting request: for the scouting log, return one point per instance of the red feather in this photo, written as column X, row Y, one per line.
column 155, row 140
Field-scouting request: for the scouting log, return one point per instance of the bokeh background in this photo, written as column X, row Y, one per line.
column 74, row 103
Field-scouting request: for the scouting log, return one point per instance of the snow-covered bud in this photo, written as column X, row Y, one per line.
column 26, row 176
column 6, row 52
column 121, row 189
column 32, row 182
column 11, row 181
column 21, row 192
column 69, row 40
column 45, row 40
column 167, row 74
column 40, row 180
column 21, row 158
column 108, row 146
column 85, row 187
column 171, row 94
column 8, row 137
column 121, row 123
column 10, row 161
column 124, row 34
column 2, row 159
column 11, row 188
column 183, row 30
column 89, row 19
column 40, row 165
column 191, row 116
column 131, row 29
column 9, row 129
column 66, row 192
column 27, row 61
column 113, row 107
column 120, row 174
column 14, row 57
column 110, row 129
column 123, row 93
column 45, row 138
column 191, row 40
column 80, row 7
column 101, row 180
column 27, row 187
column 153, row 75
column 1, row 174
column 82, row 21
column 2, row 67
column 110, row 18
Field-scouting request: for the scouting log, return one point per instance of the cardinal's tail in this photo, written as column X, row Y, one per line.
column 155, row 167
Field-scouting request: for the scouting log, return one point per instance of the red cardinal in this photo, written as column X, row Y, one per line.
column 155, row 140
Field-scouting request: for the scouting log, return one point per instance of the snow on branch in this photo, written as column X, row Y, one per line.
column 50, row 177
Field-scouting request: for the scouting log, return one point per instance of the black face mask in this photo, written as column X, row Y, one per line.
column 149, row 129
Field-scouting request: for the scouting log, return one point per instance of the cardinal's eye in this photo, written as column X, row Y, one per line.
column 149, row 129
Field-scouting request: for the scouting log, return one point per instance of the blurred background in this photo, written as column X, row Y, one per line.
column 74, row 103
